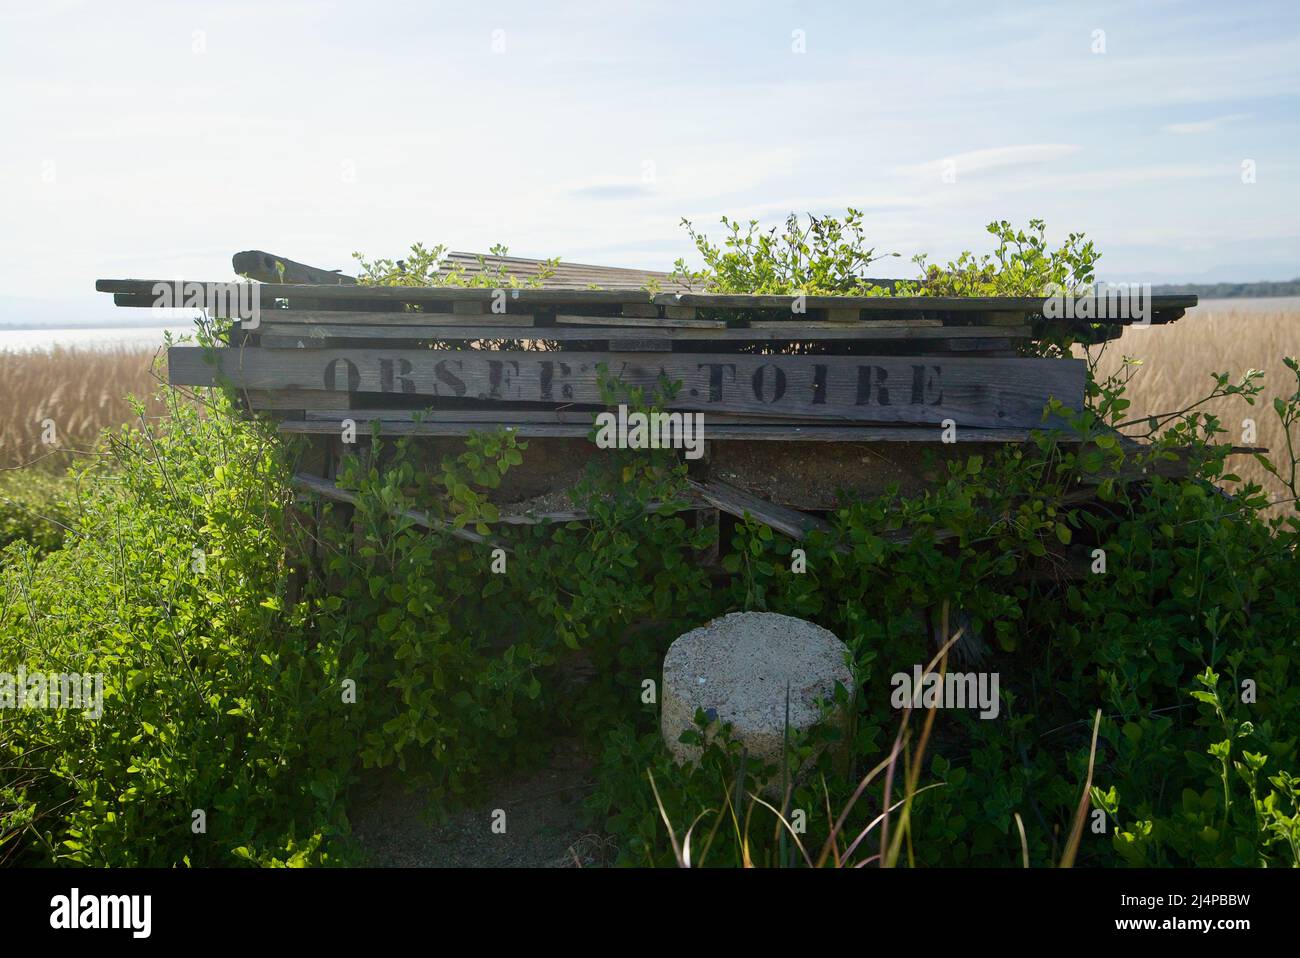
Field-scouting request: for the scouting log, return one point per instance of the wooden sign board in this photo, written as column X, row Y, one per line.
column 975, row 392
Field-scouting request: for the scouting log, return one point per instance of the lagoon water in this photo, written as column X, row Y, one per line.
column 46, row 338
column 1248, row 304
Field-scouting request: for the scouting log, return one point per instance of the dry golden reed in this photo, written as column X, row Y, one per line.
column 70, row 395
column 1178, row 360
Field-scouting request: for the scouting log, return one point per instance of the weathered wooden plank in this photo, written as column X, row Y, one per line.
column 686, row 322
column 1085, row 334
column 269, row 292
column 458, row 331
column 739, row 503
column 561, row 274
column 322, row 422
column 261, row 266
column 1166, row 307
column 579, row 515
column 985, row 346
column 1000, row 319
column 496, row 415
column 867, row 326
column 396, row 320
column 304, row 399
column 1023, row 305
column 288, row 339
column 575, row 415
column 641, row 346
column 973, row 392
column 564, row 414
column 641, row 310
column 842, row 315
column 136, row 300
column 290, row 342
column 387, row 427
column 328, row 490
column 517, row 327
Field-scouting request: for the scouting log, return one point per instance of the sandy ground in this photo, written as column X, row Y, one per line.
column 544, row 824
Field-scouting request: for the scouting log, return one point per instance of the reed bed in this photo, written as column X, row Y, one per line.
column 55, row 403
column 1178, row 362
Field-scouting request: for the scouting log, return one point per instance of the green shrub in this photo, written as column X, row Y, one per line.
column 1192, row 582
column 215, row 696
column 34, row 507
column 824, row 256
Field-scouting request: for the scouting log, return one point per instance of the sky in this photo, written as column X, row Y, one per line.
column 154, row 140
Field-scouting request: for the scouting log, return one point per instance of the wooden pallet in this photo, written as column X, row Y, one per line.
column 792, row 389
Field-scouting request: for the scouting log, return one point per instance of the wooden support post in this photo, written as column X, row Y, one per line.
column 329, row 490
column 843, row 315
column 739, row 503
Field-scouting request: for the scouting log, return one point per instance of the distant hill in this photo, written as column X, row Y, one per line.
column 1230, row 290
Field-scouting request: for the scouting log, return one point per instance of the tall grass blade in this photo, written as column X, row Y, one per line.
column 1076, row 833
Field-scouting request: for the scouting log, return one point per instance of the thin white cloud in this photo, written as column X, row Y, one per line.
column 978, row 161
column 1211, row 125
column 1119, row 178
column 612, row 189
column 1196, row 126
